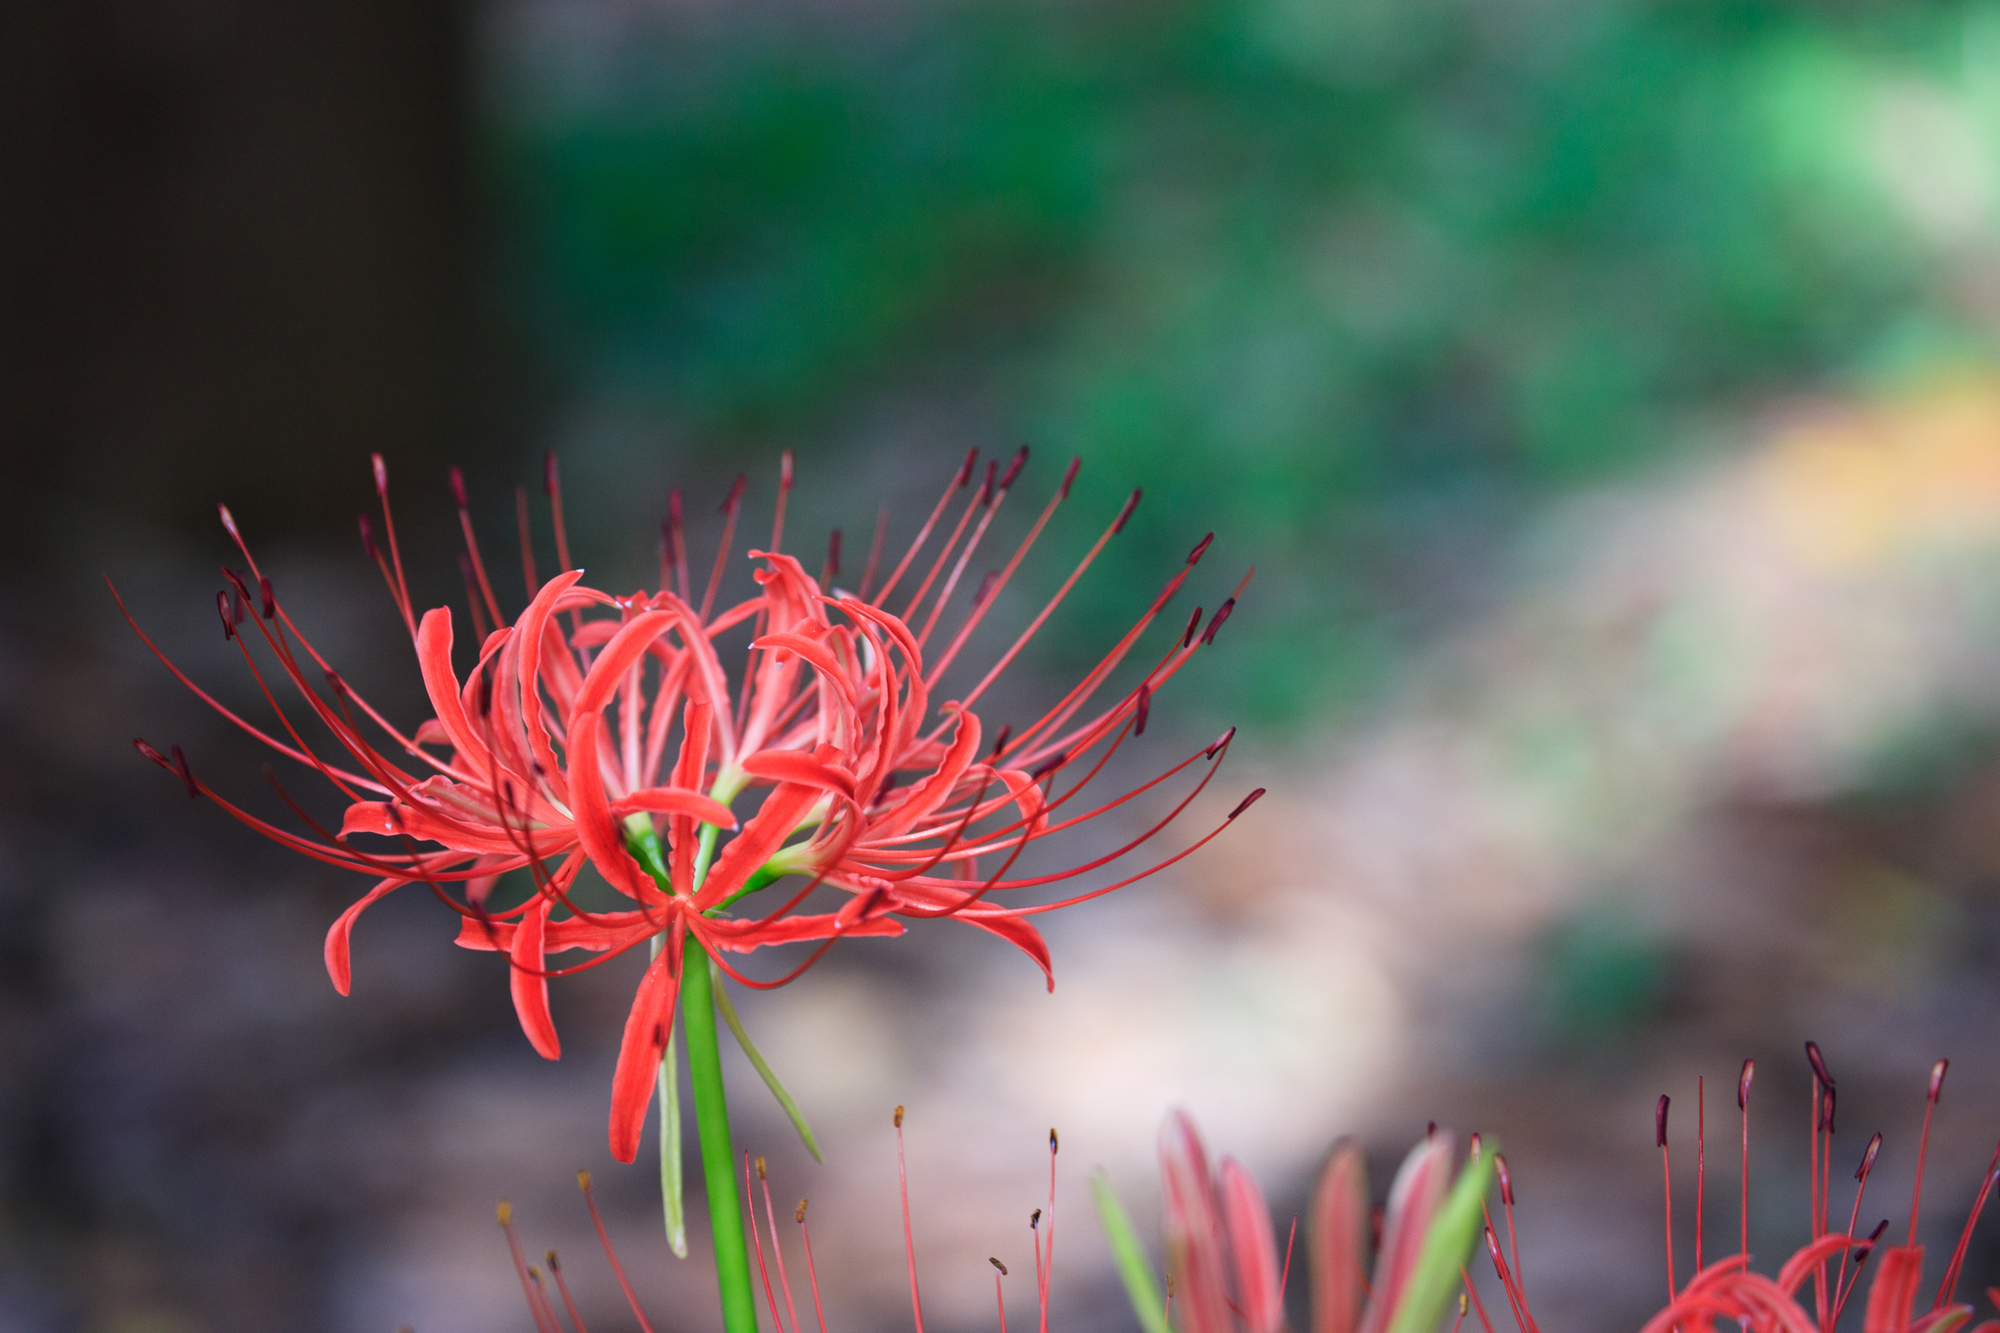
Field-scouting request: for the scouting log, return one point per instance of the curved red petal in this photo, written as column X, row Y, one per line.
column 529, row 985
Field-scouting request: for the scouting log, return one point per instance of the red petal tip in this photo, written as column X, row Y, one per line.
column 1660, row 1122
column 1014, row 468
column 735, row 495
column 1937, row 1079
column 1069, row 477
column 381, row 471
column 1245, row 803
column 1125, row 514
column 1200, row 549
column 551, row 483
column 458, row 488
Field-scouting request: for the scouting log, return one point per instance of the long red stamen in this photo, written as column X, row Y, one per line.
column 544, row 1322
column 1861, row 1174
column 868, row 571
column 731, row 506
column 401, row 589
column 909, row 1237
column 1047, row 1267
column 1700, row 1161
column 1478, row 1306
column 956, row 484
column 472, row 548
column 757, row 1243
column 1924, row 1144
column 1949, row 1287
column 1743, row 1081
column 784, row 494
column 812, row 1274
column 777, row 1252
column 555, row 1271
column 552, row 487
column 999, row 1296
column 1667, row 1174
column 597, row 1219
column 528, row 579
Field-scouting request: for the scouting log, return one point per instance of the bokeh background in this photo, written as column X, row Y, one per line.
column 1606, row 392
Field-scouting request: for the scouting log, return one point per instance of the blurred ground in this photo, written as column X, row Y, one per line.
column 1604, row 391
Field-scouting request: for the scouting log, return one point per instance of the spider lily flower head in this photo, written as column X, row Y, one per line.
column 604, row 729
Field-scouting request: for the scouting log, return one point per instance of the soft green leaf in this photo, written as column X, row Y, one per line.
column 763, row 1069
column 1133, row 1266
column 1447, row 1245
column 670, row 1147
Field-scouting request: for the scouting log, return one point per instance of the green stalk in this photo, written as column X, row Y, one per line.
column 718, row 1149
column 711, row 1104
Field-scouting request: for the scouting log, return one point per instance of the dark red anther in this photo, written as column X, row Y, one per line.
column 667, row 541
column 1014, row 468
column 381, row 474
column 1048, row 766
column 833, row 555
column 187, row 775
column 223, row 603
column 1221, row 616
column 1143, row 708
column 985, row 588
column 735, row 495
column 550, row 483
column 785, row 470
column 1660, row 1122
column 1937, row 1080
column 458, row 488
column 1506, row 1181
column 1052, row 1140
column 1474, row 1147
column 1069, row 477
column 1866, row 1247
column 1194, row 623
column 674, row 506
column 1125, row 514
column 1000, row 741
column 965, row 468
column 228, row 522
column 1200, row 549
column 139, row 744
column 336, row 684
column 1743, row 1084
column 1868, row 1158
column 1430, row 1131
column 986, row 487
column 368, row 537
column 267, row 601
column 1221, row 743
column 1245, row 804
column 1034, row 1219
column 1818, row 1064
column 1826, row 1118
column 997, row 1264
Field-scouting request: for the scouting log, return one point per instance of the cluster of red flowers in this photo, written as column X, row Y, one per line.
column 600, row 729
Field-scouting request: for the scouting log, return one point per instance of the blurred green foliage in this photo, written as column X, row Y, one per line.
column 1352, row 282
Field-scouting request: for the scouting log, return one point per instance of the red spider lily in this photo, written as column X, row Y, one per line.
column 590, row 720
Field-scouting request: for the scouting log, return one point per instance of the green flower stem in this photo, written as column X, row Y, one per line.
column 711, row 1103
column 718, row 1149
